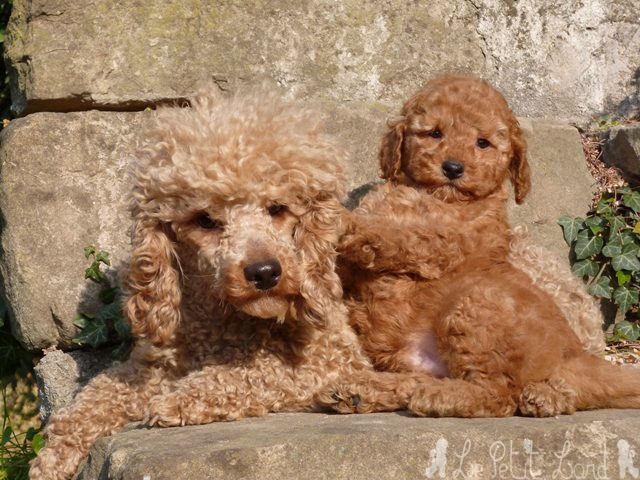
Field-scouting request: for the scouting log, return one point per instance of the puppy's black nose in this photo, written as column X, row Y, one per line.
column 264, row 275
column 452, row 169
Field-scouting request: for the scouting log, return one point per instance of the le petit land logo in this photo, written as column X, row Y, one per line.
column 510, row 460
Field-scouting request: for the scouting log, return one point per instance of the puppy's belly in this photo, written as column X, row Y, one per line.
column 424, row 355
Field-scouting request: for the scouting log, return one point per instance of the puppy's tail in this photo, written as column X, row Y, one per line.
column 599, row 384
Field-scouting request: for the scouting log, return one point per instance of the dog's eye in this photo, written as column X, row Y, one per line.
column 276, row 209
column 208, row 223
column 435, row 133
column 483, row 143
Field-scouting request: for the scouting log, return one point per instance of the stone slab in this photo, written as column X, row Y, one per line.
column 622, row 150
column 381, row 446
column 60, row 375
column 63, row 186
column 561, row 183
column 67, row 55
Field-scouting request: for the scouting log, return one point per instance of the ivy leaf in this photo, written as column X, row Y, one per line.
column 616, row 225
column 627, row 259
column 81, row 320
column 623, row 190
column 103, row 257
column 122, row 328
column 601, row 288
column 96, row 334
column 625, row 298
column 627, row 331
column 37, row 443
column 623, row 277
column 108, row 295
column 595, row 224
column 632, row 200
column 628, row 238
column 110, row 312
column 612, row 248
column 94, row 273
column 570, row 228
column 6, row 435
column 90, row 250
column 604, row 206
column 585, row 268
column 587, row 245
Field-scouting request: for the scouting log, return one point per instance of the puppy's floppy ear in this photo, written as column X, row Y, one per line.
column 316, row 238
column 391, row 150
column 519, row 167
column 152, row 283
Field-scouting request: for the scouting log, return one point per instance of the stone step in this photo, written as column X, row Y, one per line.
column 377, row 446
column 124, row 55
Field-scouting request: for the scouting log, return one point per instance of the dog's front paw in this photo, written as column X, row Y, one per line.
column 167, row 410
column 547, row 399
column 342, row 399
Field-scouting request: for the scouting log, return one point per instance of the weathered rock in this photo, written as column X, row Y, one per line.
column 63, row 186
column 320, row 446
column 622, row 150
column 554, row 59
column 60, row 375
column 561, row 183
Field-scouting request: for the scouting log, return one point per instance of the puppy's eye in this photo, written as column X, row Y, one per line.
column 483, row 143
column 276, row 209
column 435, row 133
column 208, row 223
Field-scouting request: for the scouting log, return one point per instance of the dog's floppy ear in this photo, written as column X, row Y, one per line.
column 519, row 167
column 316, row 238
column 391, row 150
column 152, row 283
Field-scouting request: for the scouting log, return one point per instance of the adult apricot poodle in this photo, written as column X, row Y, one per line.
column 429, row 279
column 231, row 289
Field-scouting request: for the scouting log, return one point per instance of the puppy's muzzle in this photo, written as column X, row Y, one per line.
column 452, row 169
column 263, row 275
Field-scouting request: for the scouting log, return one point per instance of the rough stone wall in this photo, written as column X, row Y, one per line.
column 555, row 59
column 62, row 178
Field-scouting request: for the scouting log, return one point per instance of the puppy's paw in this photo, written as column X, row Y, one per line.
column 546, row 399
column 342, row 399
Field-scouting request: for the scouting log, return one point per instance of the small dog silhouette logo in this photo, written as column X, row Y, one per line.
column 438, row 457
column 625, row 459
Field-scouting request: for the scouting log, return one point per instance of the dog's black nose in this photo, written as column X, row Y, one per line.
column 452, row 169
column 264, row 275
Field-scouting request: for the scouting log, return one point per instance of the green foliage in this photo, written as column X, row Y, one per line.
column 606, row 122
column 108, row 325
column 15, row 362
column 606, row 245
column 16, row 449
column 5, row 98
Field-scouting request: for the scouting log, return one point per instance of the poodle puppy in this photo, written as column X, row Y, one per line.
column 428, row 276
column 231, row 288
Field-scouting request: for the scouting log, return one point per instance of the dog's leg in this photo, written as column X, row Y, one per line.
column 451, row 397
column 372, row 391
column 599, row 384
column 224, row 393
column 379, row 244
column 476, row 342
column 104, row 406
